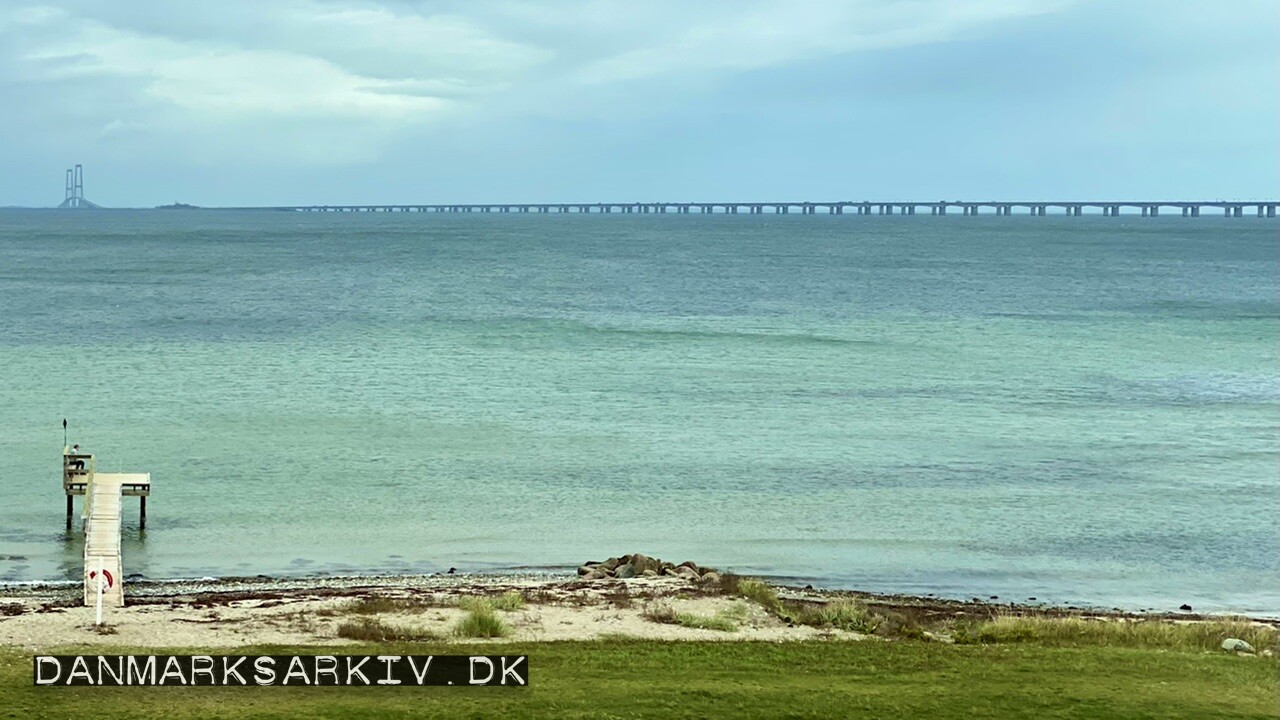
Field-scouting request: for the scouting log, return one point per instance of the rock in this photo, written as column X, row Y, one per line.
column 611, row 563
column 1236, row 645
column 596, row 575
column 1266, row 652
column 686, row 571
column 640, row 563
column 689, row 564
column 1184, row 607
column 586, row 570
column 650, row 573
column 624, row 571
column 670, row 572
column 711, row 577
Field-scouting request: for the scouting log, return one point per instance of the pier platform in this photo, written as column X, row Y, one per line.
column 103, row 511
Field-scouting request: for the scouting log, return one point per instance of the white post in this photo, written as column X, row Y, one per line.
column 102, row 579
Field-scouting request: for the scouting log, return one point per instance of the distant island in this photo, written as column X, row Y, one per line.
column 178, row 206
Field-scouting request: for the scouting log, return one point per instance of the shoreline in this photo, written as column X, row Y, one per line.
column 144, row 591
column 309, row 611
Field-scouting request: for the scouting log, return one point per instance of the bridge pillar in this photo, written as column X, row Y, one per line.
column 1260, row 210
column 1271, row 211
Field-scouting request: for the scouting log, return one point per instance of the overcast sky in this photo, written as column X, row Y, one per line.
column 319, row 101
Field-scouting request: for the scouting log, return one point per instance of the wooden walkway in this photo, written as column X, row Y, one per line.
column 103, row 500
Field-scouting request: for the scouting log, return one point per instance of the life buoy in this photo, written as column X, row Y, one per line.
column 106, row 574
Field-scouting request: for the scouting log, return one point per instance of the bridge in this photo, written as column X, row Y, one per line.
column 1108, row 208
column 74, row 195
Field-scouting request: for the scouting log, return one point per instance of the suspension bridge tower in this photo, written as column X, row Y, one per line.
column 74, row 197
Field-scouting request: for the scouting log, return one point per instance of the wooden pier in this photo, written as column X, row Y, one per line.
column 103, row 500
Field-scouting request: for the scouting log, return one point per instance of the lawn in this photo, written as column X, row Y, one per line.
column 639, row 679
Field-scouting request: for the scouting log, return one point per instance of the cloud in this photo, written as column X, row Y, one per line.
column 240, row 80
column 745, row 36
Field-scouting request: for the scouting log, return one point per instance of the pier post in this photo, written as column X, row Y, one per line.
column 70, row 508
column 142, row 512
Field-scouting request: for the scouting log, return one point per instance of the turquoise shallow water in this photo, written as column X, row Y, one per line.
column 1081, row 410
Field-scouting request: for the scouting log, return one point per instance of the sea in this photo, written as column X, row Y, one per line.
column 1080, row 410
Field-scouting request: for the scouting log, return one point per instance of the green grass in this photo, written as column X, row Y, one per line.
column 724, row 621
column 509, row 601
column 706, row 622
column 849, row 614
column 839, row 614
column 1079, row 632
column 374, row 630
column 481, row 622
column 757, row 591
column 641, row 679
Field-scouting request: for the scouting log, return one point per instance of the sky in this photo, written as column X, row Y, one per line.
column 243, row 102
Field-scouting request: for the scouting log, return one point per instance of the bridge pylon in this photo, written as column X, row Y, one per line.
column 73, row 197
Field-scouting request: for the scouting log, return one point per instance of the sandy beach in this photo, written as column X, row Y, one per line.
column 256, row 611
